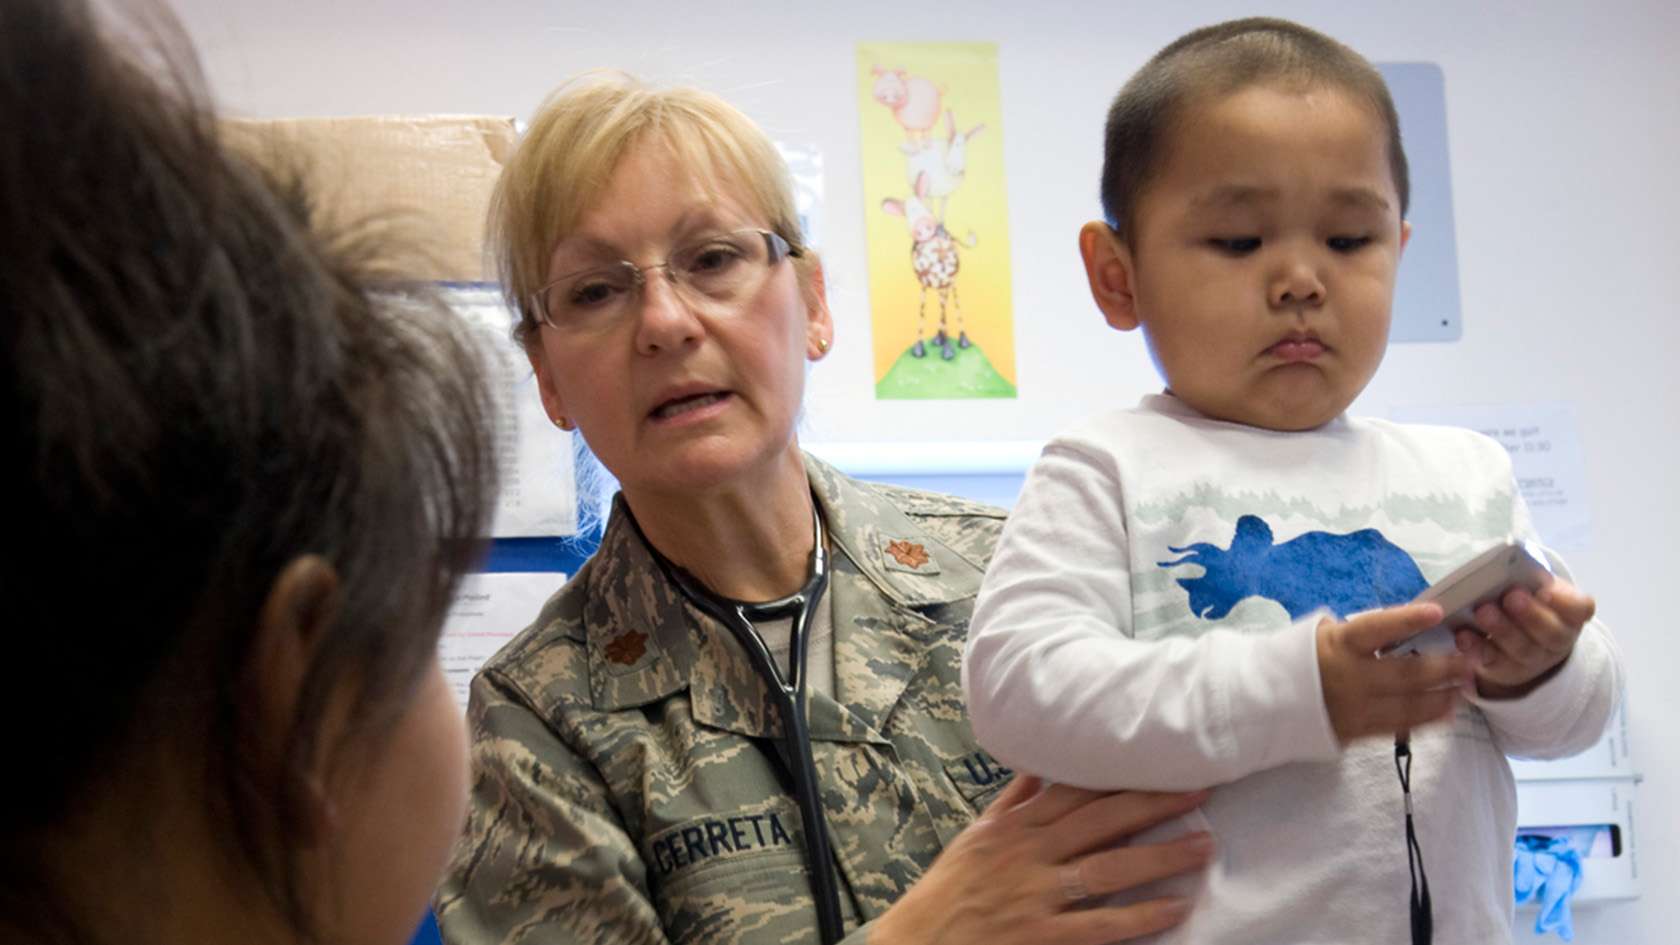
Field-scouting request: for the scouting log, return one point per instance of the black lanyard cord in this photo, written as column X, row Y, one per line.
column 1423, row 914
column 795, row 743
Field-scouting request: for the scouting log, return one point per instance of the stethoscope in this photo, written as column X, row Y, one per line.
column 795, row 743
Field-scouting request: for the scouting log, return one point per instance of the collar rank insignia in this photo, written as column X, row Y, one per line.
column 910, row 554
column 627, row 648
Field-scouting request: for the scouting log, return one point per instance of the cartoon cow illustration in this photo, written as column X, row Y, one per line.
column 1347, row 574
column 913, row 100
column 933, row 256
column 945, row 163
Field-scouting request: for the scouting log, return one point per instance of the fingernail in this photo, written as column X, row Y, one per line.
column 1175, row 907
column 1200, row 844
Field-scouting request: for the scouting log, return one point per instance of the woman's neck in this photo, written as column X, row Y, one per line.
column 750, row 540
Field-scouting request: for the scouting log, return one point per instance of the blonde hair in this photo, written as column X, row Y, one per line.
column 581, row 133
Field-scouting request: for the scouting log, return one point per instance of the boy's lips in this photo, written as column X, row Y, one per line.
column 1297, row 348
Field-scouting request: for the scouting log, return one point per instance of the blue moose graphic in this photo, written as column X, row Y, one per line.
column 1345, row 573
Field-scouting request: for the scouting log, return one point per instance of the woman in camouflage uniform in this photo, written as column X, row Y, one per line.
column 627, row 786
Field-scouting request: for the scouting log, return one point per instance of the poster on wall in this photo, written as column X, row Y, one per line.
column 805, row 168
column 489, row 610
column 1546, row 457
column 936, row 220
column 538, row 495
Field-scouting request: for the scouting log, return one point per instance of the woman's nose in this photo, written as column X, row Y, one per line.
column 665, row 319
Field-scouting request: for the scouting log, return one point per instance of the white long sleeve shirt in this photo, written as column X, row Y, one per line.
column 1149, row 622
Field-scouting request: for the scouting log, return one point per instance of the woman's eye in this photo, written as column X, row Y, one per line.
column 1235, row 245
column 1348, row 244
column 586, row 294
column 713, row 258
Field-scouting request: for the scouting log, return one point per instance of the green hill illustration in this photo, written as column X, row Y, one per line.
column 967, row 375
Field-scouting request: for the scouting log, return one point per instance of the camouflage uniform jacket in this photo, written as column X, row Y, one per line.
column 626, row 788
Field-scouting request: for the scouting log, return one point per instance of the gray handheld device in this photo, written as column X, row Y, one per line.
column 1482, row 579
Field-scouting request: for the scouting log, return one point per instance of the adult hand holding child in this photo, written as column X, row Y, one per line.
column 1062, row 845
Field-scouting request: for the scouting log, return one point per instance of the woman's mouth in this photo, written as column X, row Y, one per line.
column 676, row 407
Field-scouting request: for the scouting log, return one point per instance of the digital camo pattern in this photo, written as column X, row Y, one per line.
column 625, row 788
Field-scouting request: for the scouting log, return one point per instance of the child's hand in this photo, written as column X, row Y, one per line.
column 1369, row 696
column 1527, row 636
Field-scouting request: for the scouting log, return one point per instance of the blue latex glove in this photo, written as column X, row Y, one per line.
column 1548, row 869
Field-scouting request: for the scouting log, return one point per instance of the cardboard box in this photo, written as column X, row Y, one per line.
column 1589, row 802
column 430, row 175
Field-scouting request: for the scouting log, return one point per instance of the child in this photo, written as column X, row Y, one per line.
column 1176, row 600
column 246, row 479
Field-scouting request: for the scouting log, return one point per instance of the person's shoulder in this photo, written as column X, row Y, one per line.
column 967, row 527
column 1432, row 436
column 923, row 504
column 1454, row 453
column 550, row 657
column 1115, row 429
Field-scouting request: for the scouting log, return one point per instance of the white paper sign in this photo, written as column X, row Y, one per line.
column 805, row 167
column 1545, row 448
column 489, row 610
column 539, row 495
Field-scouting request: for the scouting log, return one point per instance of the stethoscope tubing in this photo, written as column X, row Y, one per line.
column 789, row 697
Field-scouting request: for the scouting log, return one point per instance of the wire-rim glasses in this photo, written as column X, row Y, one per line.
column 715, row 273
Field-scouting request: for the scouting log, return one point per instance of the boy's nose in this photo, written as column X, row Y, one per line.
column 1297, row 284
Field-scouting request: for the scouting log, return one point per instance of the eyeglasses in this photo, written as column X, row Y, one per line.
column 715, row 274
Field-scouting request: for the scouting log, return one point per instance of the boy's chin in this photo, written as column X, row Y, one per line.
column 1282, row 417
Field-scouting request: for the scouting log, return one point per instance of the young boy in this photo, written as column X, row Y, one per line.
column 1191, row 592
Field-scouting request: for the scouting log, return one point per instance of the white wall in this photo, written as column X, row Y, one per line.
column 1563, row 128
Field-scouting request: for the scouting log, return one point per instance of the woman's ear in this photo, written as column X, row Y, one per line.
column 296, row 616
column 1109, row 270
column 547, row 389
column 819, row 324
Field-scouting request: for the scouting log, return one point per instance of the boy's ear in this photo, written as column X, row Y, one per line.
column 1108, row 268
column 1405, row 234
column 301, row 606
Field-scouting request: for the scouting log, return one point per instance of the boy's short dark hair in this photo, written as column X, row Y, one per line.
column 1218, row 60
column 199, row 389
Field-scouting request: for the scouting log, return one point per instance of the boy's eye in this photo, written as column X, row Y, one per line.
column 1235, row 245
column 1348, row 244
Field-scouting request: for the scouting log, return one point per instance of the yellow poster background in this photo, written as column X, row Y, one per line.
column 964, row 78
